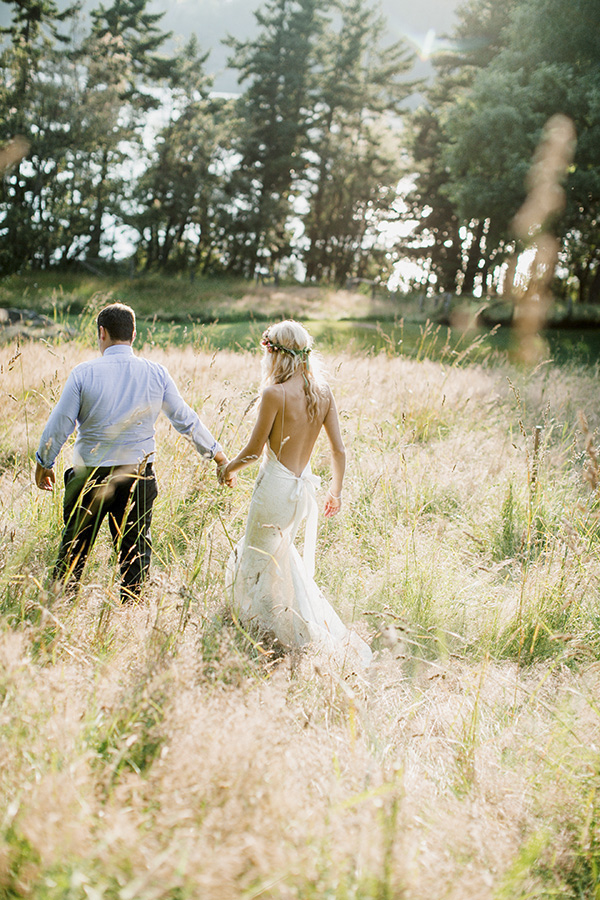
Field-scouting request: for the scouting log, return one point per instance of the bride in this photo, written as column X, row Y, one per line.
column 271, row 586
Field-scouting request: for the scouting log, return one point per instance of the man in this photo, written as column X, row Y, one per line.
column 114, row 402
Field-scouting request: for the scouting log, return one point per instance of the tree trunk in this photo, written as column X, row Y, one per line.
column 93, row 248
column 473, row 258
column 581, row 273
column 594, row 289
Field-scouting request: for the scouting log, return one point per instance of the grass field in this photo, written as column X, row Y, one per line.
column 179, row 299
column 157, row 752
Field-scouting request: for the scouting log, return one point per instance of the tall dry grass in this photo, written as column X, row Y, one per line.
column 157, row 751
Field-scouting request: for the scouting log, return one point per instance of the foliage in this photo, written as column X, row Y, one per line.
column 120, row 65
column 301, row 172
column 178, row 198
column 274, row 112
column 219, row 185
column 354, row 148
column 454, row 247
column 435, row 238
column 36, row 98
column 508, row 73
column 497, row 125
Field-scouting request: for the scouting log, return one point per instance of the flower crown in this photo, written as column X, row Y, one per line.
column 272, row 347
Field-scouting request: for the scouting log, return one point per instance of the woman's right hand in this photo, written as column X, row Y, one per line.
column 225, row 477
column 332, row 504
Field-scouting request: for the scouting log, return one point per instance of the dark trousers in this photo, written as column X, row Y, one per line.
column 126, row 495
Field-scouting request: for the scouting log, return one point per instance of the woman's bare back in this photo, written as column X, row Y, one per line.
column 286, row 426
column 293, row 434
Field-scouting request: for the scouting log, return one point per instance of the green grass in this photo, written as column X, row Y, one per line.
column 164, row 297
column 220, row 313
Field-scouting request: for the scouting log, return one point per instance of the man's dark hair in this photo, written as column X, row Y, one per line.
column 118, row 320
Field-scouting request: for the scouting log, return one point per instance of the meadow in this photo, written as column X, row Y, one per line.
column 159, row 752
column 224, row 313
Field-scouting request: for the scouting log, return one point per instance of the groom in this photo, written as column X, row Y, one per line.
column 114, row 401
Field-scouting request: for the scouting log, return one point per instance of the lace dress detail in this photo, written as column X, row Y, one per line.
column 270, row 584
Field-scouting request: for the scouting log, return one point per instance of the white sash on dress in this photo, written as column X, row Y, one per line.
column 305, row 488
column 307, row 485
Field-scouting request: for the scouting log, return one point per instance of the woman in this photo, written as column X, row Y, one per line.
column 271, row 586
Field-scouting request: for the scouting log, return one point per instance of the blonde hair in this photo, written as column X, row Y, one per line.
column 288, row 347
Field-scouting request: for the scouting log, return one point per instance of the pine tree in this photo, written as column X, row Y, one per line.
column 456, row 244
column 354, row 144
column 34, row 106
column 177, row 198
column 549, row 65
column 123, row 70
column 274, row 113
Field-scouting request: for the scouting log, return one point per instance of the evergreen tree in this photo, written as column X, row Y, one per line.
column 359, row 95
column 549, row 65
column 435, row 239
column 34, row 105
column 177, row 198
column 274, row 112
column 457, row 245
column 35, row 28
column 83, row 111
column 123, row 71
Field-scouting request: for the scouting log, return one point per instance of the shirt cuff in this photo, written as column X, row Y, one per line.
column 39, row 460
column 215, row 449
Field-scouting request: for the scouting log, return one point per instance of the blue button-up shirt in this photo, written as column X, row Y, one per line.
column 114, row 402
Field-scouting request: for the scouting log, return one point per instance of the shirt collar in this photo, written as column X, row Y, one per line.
column 119, row 349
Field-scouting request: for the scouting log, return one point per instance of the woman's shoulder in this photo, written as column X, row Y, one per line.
column 272, row 393
column 325, row 391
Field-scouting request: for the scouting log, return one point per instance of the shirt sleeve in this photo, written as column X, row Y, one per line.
column 61, row 423
column 187, row 422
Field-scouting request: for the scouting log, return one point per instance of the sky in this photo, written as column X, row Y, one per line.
column 212, row 20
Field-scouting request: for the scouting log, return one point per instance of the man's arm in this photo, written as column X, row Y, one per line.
column 187, row 422
column 60, row 425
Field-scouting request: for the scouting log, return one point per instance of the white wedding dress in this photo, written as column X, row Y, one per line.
column 270, row 584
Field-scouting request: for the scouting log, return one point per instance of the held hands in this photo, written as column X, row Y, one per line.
column 223, row 475
column 332, row 504
column 44, row 478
